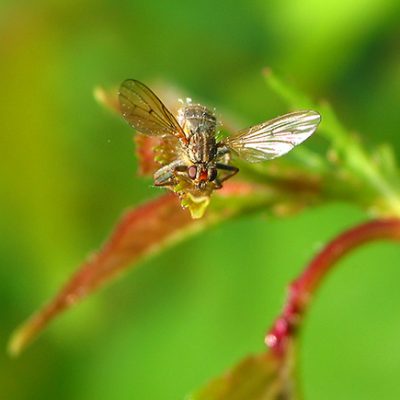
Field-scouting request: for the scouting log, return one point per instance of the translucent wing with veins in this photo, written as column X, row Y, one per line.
column 145, row 112
column 274, row 138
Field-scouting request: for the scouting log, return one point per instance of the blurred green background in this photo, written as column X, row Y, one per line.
column 68, row 171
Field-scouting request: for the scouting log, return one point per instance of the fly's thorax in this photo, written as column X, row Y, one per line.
column 195, row 118
column 202, row 147
column 199, row 124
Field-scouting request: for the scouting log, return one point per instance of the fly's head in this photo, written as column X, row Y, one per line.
column 202, row 174
column 192, row 181
column 195, row 185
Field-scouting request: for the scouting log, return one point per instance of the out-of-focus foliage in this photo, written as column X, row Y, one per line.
column 67, row 171
column 261, row 377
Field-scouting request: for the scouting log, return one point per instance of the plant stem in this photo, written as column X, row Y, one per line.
column 302, row 288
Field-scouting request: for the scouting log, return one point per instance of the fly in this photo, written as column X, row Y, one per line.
column 197, row 157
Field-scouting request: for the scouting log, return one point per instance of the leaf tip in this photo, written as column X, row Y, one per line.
column 106, row 98
column 25, row 334
column 99, row 94
column 17, row 342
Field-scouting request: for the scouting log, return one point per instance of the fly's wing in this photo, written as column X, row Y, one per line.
column 274, row 138
column 145, row 112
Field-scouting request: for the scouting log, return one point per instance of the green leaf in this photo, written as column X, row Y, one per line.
column 260, row 377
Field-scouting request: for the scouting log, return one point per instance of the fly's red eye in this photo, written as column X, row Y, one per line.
column 212, row 174
column 192, row 172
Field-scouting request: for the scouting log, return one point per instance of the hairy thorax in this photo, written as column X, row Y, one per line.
column 199, row 125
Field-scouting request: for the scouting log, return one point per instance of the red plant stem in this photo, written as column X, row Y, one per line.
column 302, row 288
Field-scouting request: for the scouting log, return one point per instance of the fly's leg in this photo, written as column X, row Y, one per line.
column 165, row 176
column 230, row 171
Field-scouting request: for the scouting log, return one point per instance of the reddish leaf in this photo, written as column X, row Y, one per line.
column 141, row 232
